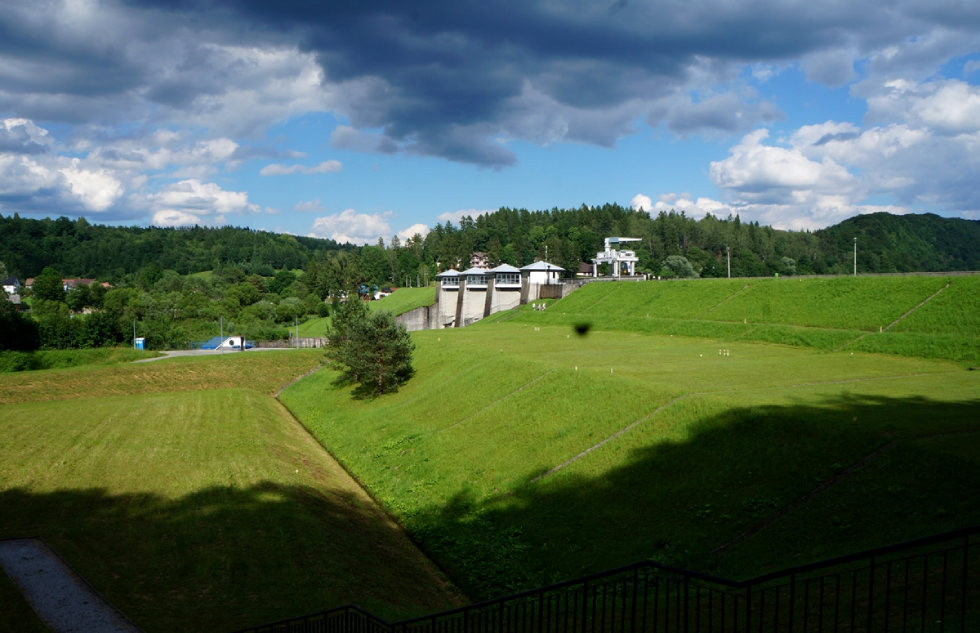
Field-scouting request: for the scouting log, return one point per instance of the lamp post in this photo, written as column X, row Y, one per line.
column 855, row 257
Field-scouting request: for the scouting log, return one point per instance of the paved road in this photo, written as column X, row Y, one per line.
column 60, row 597
column 210, row 352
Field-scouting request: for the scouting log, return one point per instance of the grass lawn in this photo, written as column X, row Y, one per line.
column 825, row 314
column 192, row 500
column 314, row 327
column 722, row 442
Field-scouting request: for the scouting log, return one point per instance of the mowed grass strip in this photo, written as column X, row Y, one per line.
column 264, row 372
column 744, row 434
column 204, row 510
column 954, row 312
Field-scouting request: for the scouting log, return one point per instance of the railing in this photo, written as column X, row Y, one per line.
column 929, row 584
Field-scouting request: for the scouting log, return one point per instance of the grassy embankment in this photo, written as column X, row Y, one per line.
column 401, row 301
column 825, row 314
column 722, row 441
column 191, row 499
column 64, row 358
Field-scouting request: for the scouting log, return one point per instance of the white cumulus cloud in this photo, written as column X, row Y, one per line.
column 97, row 190
column 325, row 167
column 410, row 232
column 351, row 226
column 456, row 216
column 176, row 218
column 194, row 197
column 305, row 206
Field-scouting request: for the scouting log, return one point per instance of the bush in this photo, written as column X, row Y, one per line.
column 17, row 331
column 680, row 267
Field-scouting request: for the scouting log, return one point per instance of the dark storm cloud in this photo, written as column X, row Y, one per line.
column 450, row 77
column 446, row 73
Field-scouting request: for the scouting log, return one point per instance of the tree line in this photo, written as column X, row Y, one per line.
column 135, row 256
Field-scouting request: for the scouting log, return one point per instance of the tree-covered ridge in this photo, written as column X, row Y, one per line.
column 567, row 237
column 904, row 243
column 80, row 249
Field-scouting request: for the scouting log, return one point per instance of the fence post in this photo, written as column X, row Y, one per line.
column 871, row 592
column 748, row 609
column 792, row 599
column 966, row 544
column 636, row 580
column 585, row 603
column 541, row 611
column 687, row 603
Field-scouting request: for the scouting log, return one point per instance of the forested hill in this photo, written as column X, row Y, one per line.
column 886, row 243
column 905, row 243
column 77, row 248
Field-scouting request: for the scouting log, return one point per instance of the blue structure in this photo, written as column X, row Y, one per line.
column 228, row 342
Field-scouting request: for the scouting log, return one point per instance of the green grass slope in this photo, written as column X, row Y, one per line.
column 63, row 358
column 399, row 302
column 689, row 448
column 192, row 500
column 823, row 313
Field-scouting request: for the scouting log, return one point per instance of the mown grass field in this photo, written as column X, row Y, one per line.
column 721, row 443
column 192, row 500
column 826, row 314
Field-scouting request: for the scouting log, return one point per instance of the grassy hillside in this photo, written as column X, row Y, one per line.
column 192, row 500
column 698, row 446
column 399, row 302
column 822, row 313
column 405, row 299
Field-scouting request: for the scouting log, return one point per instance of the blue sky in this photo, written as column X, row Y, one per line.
column 359, row 121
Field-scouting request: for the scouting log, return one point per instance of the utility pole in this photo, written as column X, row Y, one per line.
column 134, row 333
column 221, row 330
column 855, row 257
column 728, row 251
column 296, row 320
column 545, row 252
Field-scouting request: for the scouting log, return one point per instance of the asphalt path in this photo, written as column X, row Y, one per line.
column 59, row 596
column 211, row 352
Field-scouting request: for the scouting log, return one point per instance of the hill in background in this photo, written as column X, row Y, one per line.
column 886, row 243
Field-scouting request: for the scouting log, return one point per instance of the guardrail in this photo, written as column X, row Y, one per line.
column 929, row 584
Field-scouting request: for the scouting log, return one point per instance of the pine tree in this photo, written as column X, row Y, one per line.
column 375, row 352
column 378, row 356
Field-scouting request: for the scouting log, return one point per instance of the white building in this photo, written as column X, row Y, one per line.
column 11, row 285
column 542, row 273
column 621, row 262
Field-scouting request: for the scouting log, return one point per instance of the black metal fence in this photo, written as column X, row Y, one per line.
column 926, row 585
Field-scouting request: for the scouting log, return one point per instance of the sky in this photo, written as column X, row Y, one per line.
column 359, row 120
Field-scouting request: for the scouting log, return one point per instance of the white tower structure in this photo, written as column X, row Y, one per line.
column 621, row 261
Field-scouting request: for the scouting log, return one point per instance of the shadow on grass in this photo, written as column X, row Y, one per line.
column 676, row 501
column 225, row 558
